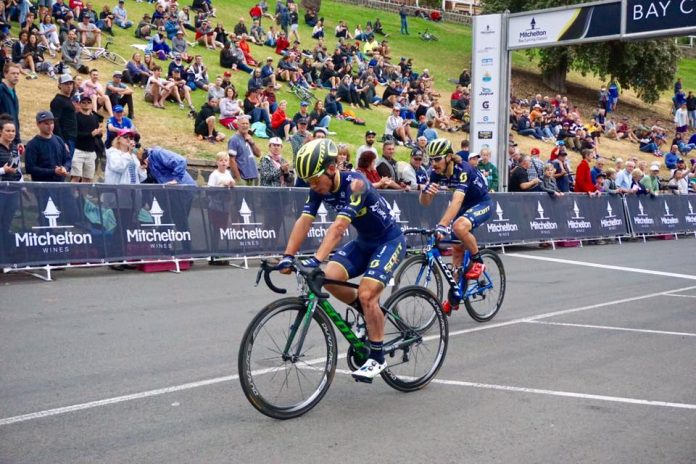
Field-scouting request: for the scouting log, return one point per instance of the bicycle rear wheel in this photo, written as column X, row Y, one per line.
column 485, row 296
column 274, row 383
column 415, row 350
column 115, row 58
column 415, row 271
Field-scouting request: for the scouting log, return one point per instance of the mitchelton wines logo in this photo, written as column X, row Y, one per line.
column 668, row 218
column 691, row 217
column 641, row 218
column 155, row 233
column 53, row 237
column 578, row 222
column 501, row 225
column 541, row 223
column 610, row 221
column 247, row 232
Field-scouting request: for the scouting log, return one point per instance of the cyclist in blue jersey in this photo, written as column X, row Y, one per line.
column 374, row 254
column 470, row 207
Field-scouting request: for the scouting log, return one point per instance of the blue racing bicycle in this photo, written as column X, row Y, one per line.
column 426, row 268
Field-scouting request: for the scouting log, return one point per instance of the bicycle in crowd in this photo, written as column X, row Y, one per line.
column 427, row 36
column 94, row 53
column 287, row 358
column 303, row 93
column 426, row 268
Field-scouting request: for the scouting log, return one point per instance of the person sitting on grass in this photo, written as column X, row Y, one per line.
column 180, row 91
column 158, row 89
column 230, row 108
column 280, row 123
column 204, row 125
column 137, row 72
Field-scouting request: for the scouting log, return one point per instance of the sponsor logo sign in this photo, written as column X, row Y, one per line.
column 53, row 237
column 249, row 232
column 157, row 234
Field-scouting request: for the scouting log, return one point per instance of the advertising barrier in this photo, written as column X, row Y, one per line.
column 55, row 224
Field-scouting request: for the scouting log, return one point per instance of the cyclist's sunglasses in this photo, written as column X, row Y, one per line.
column 437, row 159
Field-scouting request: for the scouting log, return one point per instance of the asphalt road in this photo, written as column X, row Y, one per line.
column 149, row 363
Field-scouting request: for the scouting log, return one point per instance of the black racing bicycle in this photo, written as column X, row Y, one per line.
column 287, row 358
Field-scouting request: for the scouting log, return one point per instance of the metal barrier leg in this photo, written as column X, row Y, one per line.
column 553, row 245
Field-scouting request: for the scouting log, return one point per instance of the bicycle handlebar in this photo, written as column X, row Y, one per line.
column 313, row 276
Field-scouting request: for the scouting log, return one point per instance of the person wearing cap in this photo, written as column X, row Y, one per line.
column 64, row 112
column 181, row 90
column 415, row 176
column 398, row 128
column 120, row 94
column 180, row 46
column 144, row 27
column 319, row 132
column 300, row 137
column 90, row 35
column 121, row 15
column 563, row 173
column 46, row 156
column 537, row 166
column 274, row 169
column 651, row 181
column 116, row 124
column 88, row 130
column 370, row 138
column 268, row 74
column 122, row 164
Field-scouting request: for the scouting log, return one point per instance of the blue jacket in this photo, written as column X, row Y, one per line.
column 10, row 104
column 671, row 160
column 42, row 155
column 165, row 166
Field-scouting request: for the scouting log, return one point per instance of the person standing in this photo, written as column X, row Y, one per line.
column 403, row 15
column 63, row 110
column 488, row 170
column 10, row 171
column 275, row 170
column 46, row 156
column 9, row 103
column 583, row 177
column 242, row 150
column 85, row 157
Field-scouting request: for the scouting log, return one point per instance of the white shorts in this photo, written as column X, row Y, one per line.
column 293, row 27
column 83, row 164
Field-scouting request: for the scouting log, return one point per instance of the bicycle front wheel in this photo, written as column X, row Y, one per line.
column 115, row 58
column 279, row 377
column 485, row 296
column 415, row 271
column 415, row 350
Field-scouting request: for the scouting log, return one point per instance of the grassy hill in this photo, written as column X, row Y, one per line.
column 445, row 59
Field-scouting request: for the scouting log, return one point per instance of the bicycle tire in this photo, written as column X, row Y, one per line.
column 259, row 365
column 414, row 271
column 412, row 305
column 114, row 58
column 491, row 284
column 89, row 53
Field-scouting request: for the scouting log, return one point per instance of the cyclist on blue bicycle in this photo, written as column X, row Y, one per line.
column 376, row 252
column 470, row 207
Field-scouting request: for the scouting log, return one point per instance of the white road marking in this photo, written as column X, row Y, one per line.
column 623, row 329
column 680, row 296
column 203, row 383
column 602, row 266
column 541, row 391
column 567, row 311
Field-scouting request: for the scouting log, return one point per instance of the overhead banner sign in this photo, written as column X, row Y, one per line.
column 659, row 17
column 486, row 96
column 566, row 25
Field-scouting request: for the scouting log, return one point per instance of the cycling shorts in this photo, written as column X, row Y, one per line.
column 376, row 260
column 477, row 214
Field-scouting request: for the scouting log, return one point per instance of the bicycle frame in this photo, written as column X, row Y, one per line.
column 433, row 255
column 344, row 327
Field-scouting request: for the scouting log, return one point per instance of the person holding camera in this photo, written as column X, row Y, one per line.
column 274, row 169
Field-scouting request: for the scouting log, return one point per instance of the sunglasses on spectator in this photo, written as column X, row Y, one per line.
column 418, row 159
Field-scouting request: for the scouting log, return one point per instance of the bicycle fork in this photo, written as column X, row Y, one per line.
column 301, row 324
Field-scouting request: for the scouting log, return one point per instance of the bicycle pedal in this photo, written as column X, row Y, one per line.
column 362, row 380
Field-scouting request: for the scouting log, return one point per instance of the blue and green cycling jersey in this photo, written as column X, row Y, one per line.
column 467, row 180
column 367, row 211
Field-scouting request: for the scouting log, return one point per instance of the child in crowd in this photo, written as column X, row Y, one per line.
column 221, row 177
column 548, row 182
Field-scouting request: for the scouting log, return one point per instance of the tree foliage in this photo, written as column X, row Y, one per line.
column 647, row 66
